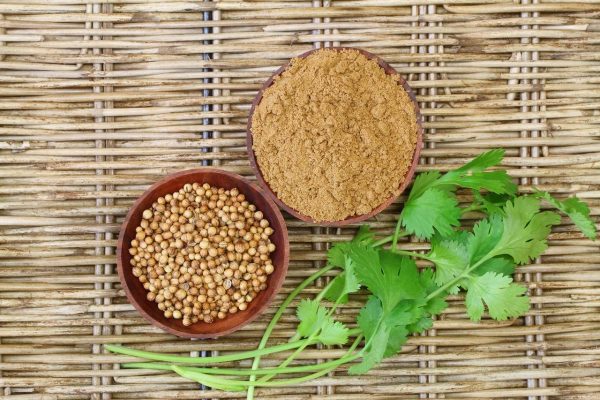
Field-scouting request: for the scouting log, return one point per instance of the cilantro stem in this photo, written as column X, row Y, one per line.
column 205, row 360
column 331, row 365
column 312, row 336
column 397, row 232
column 238, row 372
column 472, row 207
column 411, row 254
column 458, row 278
column 275, row 319
column 318, row 297
column 389, row 238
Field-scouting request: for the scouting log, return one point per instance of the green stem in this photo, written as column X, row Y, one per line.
column 237, row 372
column 397, row 232
column 235, row 384
column 457, row 279
column 275, row 319
column 204, row 360
column 318, row 298
column 387, row 239
column 411, row 254
column 472, row 207
column 312, row 336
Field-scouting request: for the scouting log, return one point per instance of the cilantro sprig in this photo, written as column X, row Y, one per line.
column 403, row 299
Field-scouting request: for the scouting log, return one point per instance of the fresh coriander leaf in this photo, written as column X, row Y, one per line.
column 370, row 322
column 493, row 181
column 337, row 254
column 409, row 316
column 364, row 235
column 398, row 335
column 525, row 229
column 387, row 275
column 486, row 234
column 375, row 353
column 450, row 259
column 492, row 203
column 333, row 333
column 421, row 325
column 422, row 182
column 369, row 316
column 436, row 305
column 343, row 284
column 373, row 319
column 458, row 236
column 434, row 210
column 473, row 175
column 483, row 161
column 502, row 265
column 430, row 307
column 503, row 298
column 576, row 210
column 311, row 315
column 336, row 290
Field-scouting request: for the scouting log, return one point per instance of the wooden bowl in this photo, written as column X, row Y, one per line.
column 357, row 218
column 137, row 294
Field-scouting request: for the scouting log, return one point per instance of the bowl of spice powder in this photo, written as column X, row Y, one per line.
column 334, row 136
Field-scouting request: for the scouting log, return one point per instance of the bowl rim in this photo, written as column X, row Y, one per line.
column 124, row 247
column 356, row 218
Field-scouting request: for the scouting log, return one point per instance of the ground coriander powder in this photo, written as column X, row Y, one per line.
column 334, row 135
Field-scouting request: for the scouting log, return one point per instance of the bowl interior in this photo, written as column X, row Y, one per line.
column 357, row 218
column 134, row 288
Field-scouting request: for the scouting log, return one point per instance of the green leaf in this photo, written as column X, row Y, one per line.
column 493, row 181
column 338, row 252
column 311, row 315
column 343, row 284
column 372, row 320
column 473, row 176
column 369, row 316
column 399, row 320
column 502, row 265
column 333, row 333
column 492, row 203
column 336, row 290
column 387, row 275
column 503, row 298
column 396, row 339
column 422, row 182
column 486, row 235
column 421, row 325
column 525, row 229
column 364, row 235
column 434, row 210
column 436, row 305
column 576, row 210
column 483, row 161
column 450, row 258
column 375, row 353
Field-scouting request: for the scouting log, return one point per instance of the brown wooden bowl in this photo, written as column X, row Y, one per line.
column 137, row 294
column 357, row 218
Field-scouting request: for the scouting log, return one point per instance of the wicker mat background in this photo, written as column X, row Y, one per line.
column 100, row 98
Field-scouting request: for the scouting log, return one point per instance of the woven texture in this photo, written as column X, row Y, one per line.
column 99, row 99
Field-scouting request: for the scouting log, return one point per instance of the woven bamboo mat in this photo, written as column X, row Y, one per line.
column 100, row 98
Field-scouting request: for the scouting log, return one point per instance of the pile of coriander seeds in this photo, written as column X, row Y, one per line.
column 202, row 253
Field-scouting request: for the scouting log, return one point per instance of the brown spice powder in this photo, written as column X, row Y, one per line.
column 334, row 135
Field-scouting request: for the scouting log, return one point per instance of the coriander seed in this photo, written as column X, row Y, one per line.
column 202, row 253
